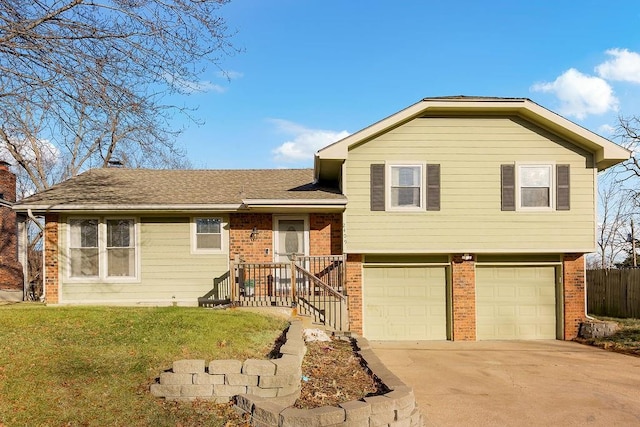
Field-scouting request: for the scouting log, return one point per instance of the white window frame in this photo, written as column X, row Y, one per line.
column 194, row 236
column 136, row 265
column 69, row 249
column 552, row 192
column 103, row 276
column 423, row 187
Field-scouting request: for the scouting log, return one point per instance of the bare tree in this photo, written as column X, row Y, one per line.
column 616, row 210
column 84, row 82
column 628, row 133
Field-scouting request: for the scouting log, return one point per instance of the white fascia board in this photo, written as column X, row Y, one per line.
column 128, row 208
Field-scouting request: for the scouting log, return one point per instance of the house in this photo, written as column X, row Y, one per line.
column 459, row 218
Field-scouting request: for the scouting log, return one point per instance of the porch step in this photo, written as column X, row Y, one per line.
column 207, row 302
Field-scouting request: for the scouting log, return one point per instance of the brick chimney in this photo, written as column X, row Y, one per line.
column 11, row 278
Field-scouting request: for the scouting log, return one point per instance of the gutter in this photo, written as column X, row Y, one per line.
column 152, row 208
column 44, row 265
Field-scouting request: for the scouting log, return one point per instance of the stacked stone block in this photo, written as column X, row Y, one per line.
column 267, row 389
column 223, row 379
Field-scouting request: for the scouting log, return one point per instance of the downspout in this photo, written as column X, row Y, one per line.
column 44, row 269
column 584, row 270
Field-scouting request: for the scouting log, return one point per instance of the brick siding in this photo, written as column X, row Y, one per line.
column 354, row 291
column 258, row 249
column 51, row 253
column 573, row 294
column 325, row 234
column 463, row 274
column 11, row 276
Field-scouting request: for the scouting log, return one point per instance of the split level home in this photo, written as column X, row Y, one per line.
column 456, row 218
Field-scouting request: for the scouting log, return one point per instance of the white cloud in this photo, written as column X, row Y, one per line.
column 44, row 152
column 580, row 94
column 230, row 74
column 624, row 65
column 606, row 130
column 189, row 86
column 303, row 142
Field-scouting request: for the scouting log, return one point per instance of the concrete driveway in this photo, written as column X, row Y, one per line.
column 517, row 383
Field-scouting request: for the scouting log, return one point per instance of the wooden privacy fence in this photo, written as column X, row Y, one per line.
column 614, row 293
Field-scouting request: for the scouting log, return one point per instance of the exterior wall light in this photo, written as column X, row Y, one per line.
column 254, row 234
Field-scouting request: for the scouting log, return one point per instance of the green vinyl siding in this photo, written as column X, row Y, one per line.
column 169, row 271
column 470, row 152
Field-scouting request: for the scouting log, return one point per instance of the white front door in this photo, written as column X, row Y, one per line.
column 291, row 238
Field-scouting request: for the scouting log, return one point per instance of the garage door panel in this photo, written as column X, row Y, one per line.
column 395, row 292
column 506, row 292
column 414, row 301
column 516, row 302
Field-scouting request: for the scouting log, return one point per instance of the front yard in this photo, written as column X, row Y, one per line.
column 93, row 365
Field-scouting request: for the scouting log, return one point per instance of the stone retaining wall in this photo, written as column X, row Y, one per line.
column 267, row 389
column 594, row 328
column 223, row 379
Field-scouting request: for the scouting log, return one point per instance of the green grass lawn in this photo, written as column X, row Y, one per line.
column 92, row 366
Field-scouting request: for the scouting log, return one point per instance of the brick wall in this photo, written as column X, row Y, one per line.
column 240, row 241
column 573, row 294
column 11, row 277
column 51, row 254
column 354, row 291
column 463, row 276
column 325, row 234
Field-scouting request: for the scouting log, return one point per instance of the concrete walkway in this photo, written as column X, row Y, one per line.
column 524, row 383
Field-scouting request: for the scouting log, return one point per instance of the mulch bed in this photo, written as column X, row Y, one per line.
column 332, row 374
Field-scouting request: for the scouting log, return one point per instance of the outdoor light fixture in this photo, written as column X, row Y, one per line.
column 467, row 257
column 254, row 234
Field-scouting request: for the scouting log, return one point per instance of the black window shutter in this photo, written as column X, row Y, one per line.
column 433, row 187
column 508, row 186
column 563, row 194
column 377, row 187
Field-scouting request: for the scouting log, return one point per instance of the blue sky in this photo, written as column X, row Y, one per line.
column 314, row 71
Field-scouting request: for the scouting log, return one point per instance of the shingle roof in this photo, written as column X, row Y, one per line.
column 147, row 187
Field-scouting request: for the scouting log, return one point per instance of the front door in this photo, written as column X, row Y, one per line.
column 291, row 238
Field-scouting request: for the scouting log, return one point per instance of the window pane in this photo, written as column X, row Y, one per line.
column 84, row 262
column 405, row 197
column 208, row 233
column 405, row 176
column 121, row 262
column 535, row 176
column 208, row 241
column 119, row 233
column 208, row 225
column 535, row 197
column 84, row 233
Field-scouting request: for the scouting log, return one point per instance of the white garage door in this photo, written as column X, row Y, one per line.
column 515, row 303
column 405, row 303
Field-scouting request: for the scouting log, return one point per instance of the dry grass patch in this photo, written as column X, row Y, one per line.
column 333, row 374
column 626, row 340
